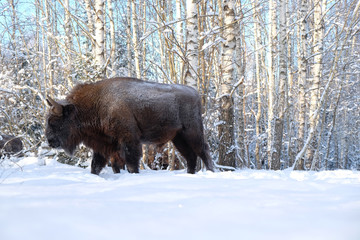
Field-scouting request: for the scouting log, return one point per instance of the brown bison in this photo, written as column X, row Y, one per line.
column 10, row 145
column 114, row 116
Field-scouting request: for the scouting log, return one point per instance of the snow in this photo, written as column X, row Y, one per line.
column 43, row 199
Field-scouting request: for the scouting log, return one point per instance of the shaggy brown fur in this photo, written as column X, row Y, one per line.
column 10, row 145
column 114, row 116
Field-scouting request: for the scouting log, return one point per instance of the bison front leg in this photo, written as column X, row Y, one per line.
column 98, row 163
column 132, row 156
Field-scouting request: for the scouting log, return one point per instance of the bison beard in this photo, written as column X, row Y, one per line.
column 114, row 116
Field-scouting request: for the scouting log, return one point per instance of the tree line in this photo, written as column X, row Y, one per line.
column 279, row 79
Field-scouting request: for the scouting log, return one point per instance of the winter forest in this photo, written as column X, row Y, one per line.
column 279, row 80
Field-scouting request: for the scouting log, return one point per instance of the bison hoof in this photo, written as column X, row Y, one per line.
column 132, row 169
column 96, row 171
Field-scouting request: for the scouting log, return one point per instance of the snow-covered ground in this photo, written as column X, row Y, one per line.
column 56, row 201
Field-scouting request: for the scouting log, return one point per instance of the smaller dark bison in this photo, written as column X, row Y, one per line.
column 10, row 145
column 115, row 116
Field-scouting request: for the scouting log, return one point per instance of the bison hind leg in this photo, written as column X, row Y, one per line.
column 205, row 156
column 117, row 162
column 186, row 151
column 191, row 146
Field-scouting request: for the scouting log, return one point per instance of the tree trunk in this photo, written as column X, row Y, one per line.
column 271, row 84
column 99, row 37
column 50, row 66
column 135, row 39
column 316, row 72
column 112, row 39
column 257, row 42
column 290, row 118
column 227, row 147
column 90, row 25
column 129, row 38
column 180, row 39
column 241, row 65
column 202, row 62
column 191, row 73
column 143, row 51
column 302, row 67
column 280, row 100
column 68, row 44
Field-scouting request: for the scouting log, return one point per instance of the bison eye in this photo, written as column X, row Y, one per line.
column 53, row 124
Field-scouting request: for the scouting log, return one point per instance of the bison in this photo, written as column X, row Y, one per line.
column 115, row 116
column 10, row 145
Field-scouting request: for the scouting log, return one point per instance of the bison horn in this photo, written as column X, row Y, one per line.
column 56, row 108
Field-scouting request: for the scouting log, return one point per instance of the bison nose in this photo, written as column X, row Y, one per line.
column 54, row 143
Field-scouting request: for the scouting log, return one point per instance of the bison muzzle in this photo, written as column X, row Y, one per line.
column 115, row 116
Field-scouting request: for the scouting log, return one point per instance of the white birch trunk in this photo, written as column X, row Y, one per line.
column 162, row 43
column 50, row 44
column 227, row 148
column 68, row 43
column 112, row 38
column 271, row 74
column 143, row 51
column 317, row 72
column 240, row 60
column 48, row 91
column 257, row 42
column 129, row 38
column 191, row 74
column 90, row 23
column 280, row 99
column 14, row 25
column 202, row 63
column 135, row 39
column 302, row 65
column 99, row 36
column 290, row 118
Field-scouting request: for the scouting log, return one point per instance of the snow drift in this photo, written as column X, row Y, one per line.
column 56, row 201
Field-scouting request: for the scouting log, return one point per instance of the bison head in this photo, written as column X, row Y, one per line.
column 62, row 127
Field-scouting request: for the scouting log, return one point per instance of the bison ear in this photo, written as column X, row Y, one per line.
column 56, row 108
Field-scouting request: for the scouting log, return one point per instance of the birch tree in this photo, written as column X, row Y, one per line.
column 240, row 60
column 192, row 50
column 50, row 46
column 112, row 38
column 302, row 77
column 135, row 41
column 280, row 99
column 316, row 72
column 99, row 36
column 271, row 82
column 14, row 23
column 180, row 38
column 227, row 148
column 258, row 48
column 202, row 65
column 129, row 38
column 68, row 44
column 90, row 24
